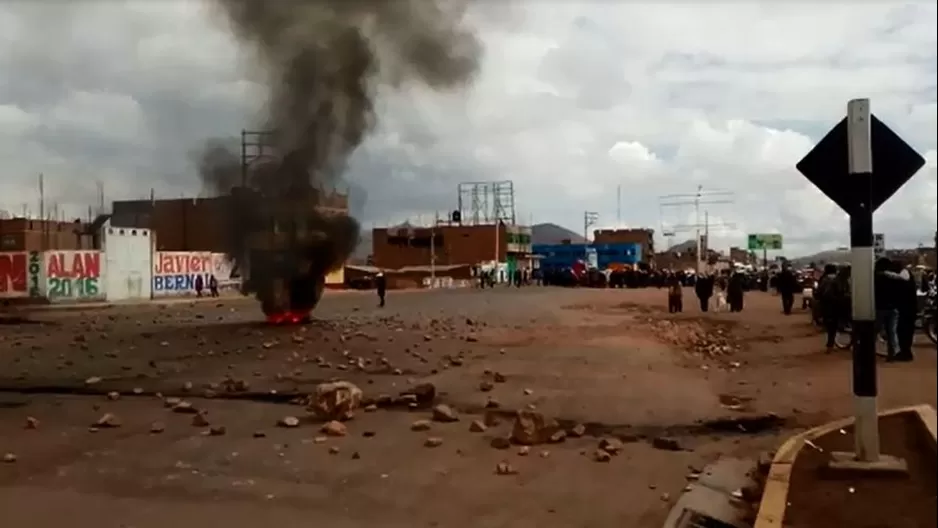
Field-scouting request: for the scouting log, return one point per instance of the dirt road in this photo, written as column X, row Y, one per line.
column 725, row 384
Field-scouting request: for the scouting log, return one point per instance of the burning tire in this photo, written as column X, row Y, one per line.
column 292, row 301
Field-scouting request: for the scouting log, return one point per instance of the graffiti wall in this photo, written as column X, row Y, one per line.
column 21, row 274
column 127, row 254
column 175, row 272
column 226, row 272
column 74, row 276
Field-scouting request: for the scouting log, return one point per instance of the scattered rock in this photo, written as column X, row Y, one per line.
column 217, row 430
column 32, row 423
column 334, row 428
column 666, row 444
column 157, row 428
column 9, row 458
column 113, row 395
column 444, row 413
column 491, row 419
column 334, row 450
column 477, row 426
column 499, row 377
column 577, row 431
column 601, row 455
column 107, row 421
column 421, row 425
column 500, row 442
column 200, row 420
column 531, row 428
column 335, row 401
column 486, row 386
column 433, row 441
column 184, row 407
column 613, row 446
column 524, row 451
column 93, row 380
column 259, row 434
column 289, row 422
column 504, row 468
column 424, row 393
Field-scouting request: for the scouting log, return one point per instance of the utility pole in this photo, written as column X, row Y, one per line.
column 589, row 219
column 436, row 220
column 619, row 206
column 42, row 213
column 697, row 199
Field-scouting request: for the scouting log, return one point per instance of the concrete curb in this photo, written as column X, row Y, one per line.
column 775, row 495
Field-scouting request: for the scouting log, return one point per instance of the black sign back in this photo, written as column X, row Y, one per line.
column 826, row 166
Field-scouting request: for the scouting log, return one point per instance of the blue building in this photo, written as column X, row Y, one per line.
column 561, row 256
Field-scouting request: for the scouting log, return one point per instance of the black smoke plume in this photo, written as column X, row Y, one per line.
column 323, row 62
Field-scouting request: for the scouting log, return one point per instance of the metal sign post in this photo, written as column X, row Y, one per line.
column 860, row 166
column 859, row 189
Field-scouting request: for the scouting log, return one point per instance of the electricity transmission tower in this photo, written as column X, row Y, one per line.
column 698, row 199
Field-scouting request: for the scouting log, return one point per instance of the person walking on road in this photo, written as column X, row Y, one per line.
column 675, row 294
column 786, row 283
column 213, row 286
column 381, row 284
column 199, row 285
column 831, row 296
column 735, row 292
column 704, row 290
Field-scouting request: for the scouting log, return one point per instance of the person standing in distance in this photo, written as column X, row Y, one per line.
column 786, row 283
column 381, row 284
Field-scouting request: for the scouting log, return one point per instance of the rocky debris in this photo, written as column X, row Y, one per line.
column 504, row 468
column 9, row 458
column 477, row 426
column 107, row 421
column 334, row 428
column 696, row 337
column 433, row 441
column 337, row 400
column 577, row 431
column 499, row 377
column 334, row 450
column 424, row 393
column 259, row 434
column 31, row 423
column 200, row 420
column 157, row 428
column 486, row 386
column 532, row 428
column 93, row 380
column 601, row 455
column 288, row 422
column 444, row 413
column 524, row 451
column 184, row 407
column 490, row 419
column 612, row 446
column 665, row 443
column 421, row 425
column 500, row 442
column 113, row 395
column 216, row 430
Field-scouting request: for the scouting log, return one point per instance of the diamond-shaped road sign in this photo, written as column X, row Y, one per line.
column 826, row 166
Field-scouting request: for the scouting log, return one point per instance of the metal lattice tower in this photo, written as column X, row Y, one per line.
column 256, row 146
column 487, row 202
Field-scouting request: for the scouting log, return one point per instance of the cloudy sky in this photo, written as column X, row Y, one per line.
column 575, row 100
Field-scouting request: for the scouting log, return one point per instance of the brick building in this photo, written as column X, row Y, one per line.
column 644, row 237
column 406, row 245
column 193, row 224
column 24, row 234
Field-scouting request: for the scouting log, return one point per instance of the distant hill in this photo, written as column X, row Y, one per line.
column 554, row 234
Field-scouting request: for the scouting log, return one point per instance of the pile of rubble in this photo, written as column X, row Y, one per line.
column 695, row 337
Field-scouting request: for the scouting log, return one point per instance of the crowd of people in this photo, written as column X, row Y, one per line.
column 897, row 297
column 896, row 293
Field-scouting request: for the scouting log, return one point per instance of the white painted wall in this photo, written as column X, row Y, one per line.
column 129, row 262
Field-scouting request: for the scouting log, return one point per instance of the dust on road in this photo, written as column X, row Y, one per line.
column 607, row 365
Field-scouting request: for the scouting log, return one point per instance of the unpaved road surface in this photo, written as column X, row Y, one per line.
column 723, row 384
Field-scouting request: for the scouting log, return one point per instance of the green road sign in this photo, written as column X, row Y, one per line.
column 765, row 241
